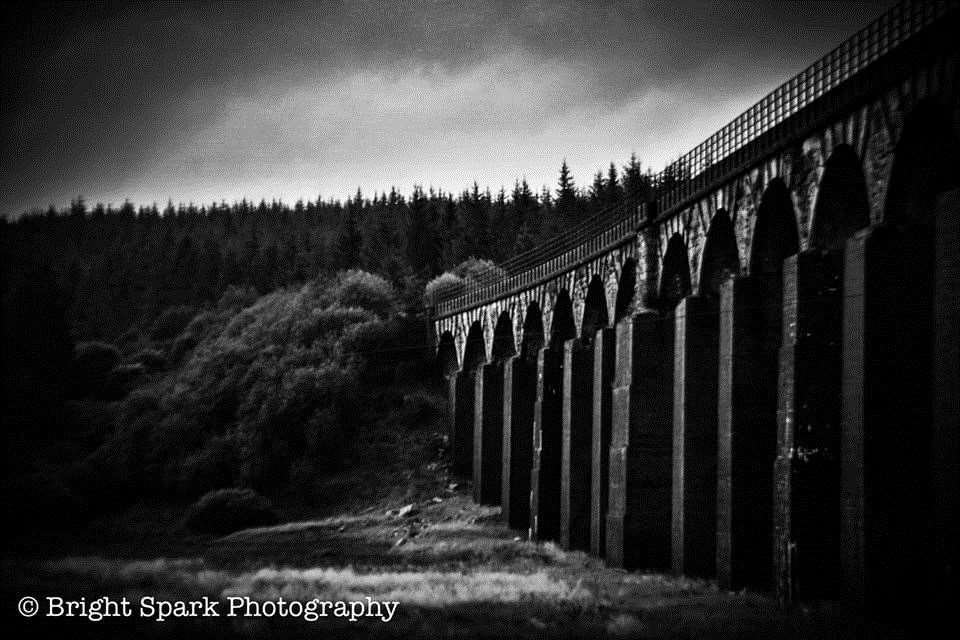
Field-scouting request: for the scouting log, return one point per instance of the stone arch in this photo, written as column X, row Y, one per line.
column 595, row 314
column 503, row 346
column 625, row 290
column 721, row 257
column 675, row 278
column 562, row 326
column 926, row 162
column 447, row 361
column 842, row 205
column 533, row 337
column 775, row 235
column 475, row 353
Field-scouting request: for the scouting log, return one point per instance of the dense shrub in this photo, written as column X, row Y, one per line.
column 92, row 364
column 260, row 395
column 467, row 271
column 365, row 290
column 444, row 283
column 226, row 510
column 474, row 268
column 171, row 322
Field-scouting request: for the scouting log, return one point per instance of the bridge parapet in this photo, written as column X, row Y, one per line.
column 833, row 83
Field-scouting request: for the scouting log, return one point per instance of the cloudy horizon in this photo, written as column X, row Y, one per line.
column 209, row 102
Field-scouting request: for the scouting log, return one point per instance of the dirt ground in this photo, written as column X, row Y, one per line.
column 396, row 528
column 452, row 565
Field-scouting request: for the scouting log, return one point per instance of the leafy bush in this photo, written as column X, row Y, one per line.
column 361, row 289
column 474, row 268
column 467, row 271
column 259, row 395
column 92, row 364
column 171, row 322
column 444, row 283
column 226, row 510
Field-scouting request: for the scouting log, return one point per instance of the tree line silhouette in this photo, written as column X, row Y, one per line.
column 111, row 268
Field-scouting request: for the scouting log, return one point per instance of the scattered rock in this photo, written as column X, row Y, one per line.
column 400, row 542
column 407, row 511
column 437, row 499
column 538, row 623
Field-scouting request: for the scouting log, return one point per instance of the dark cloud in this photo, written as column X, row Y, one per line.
column 207, row 101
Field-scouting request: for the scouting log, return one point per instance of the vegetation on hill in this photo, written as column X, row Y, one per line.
column 257, row 392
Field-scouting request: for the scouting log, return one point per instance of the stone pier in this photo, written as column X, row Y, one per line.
column 638, row 520
column 807, row 467
column 604, row 362
column 695, row 438
column 747, row 432
column 575, row 466
column 519, row 396
column 488, row 433
column 547, row 444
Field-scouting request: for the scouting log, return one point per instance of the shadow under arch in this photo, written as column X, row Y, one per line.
column 843, row 207
column 908, row 372
column 775, row 234
column 748, row 398
column 721, row 257
column 563, row 327
column 675, row 281
column 595, row 314
column 520, row 394
column 533, row 338
column 447, row 362
column 503, row 346
column 926, row 162
column 475, row 352
column 625, row 290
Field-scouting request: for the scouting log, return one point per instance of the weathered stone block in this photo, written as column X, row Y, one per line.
column 547, row 443
column 488, row 433
column 807, row 467
column 575, row 465
column 603, row 367
column 461, row 441
column 747, row 431
column 886, row 419
column 946, row 395
column 519, row 396
column 638, row 519
column 694, row 513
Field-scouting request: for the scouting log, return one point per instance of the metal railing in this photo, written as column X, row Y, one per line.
column 698, row 169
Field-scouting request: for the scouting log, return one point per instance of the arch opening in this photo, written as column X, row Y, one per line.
column 925, row 164
column 447, row 362
column 675, row 281
column 843, row 207
column 533, row 338
column 775, row 236
column 721, row 257
column 563, row 327
column 503, row 346
column 625, row 290
column 475, row 352
column 595, row 314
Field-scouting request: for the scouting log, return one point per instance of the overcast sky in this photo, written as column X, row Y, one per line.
column 203, row 102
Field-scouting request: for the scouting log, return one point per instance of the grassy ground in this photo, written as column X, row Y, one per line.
column 396, row 528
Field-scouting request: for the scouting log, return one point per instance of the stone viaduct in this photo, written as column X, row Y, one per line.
column 753, row 375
